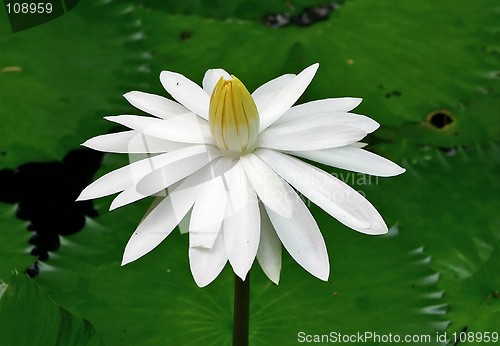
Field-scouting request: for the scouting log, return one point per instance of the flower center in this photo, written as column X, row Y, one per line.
column 233, row 118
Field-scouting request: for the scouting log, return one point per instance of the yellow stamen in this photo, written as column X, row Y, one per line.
column 233, row 117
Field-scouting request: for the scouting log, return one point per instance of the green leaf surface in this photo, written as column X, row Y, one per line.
column 28, row 316
column 476, row 303
column 407, row 59
column 163, row 305
column 14, row 247
column 449, row 205
column 59, row 79
column 220, row 9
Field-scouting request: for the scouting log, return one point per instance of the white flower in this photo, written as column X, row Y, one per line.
column 228, row 160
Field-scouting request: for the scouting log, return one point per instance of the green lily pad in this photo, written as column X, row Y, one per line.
column 449, row 205
column 436, row 272
column 28, row 316
column 58, row 79
column 14, row 247
column 476, row 302
column 220, row 9
column 406, row 59
column 163, row 304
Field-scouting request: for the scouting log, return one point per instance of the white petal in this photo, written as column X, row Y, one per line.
column 131, row 142
column 130, row 195
column 162, row 220
column 268, row 185
column 153, row 205
column 186, row 128
column 314, row 138
column 302, row 238
column 286, row 97
column 156, row 105
column 329, row 193
column 170, row 211
column 206, row 264
column 186, row 92
column 120, row 179
column 211, row 78
column 208, row 213
column 264, row 94
column 362, row 122
column 241, row 228
column 331, row 105
column 308, row 120
column 354, row 159
column 269, row 252
column 127, row 196
column 180, row 165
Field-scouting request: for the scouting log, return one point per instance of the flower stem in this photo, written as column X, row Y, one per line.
column 241, row 315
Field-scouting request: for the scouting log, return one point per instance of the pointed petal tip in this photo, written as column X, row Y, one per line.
column 128, row 257
column 89, row 143
column 373, row 228
column 314, row 68
column 87, row 194
column 82, row 197
column 165, row 74
column 275, row 281
column 320, row 273
column 202, row 282
column 384, row 229
column 356, row 101
column 396, row 170
column 125, row 259
column 129, row 96
column 381, row 230
column 242, row 274
column 324, row 273
column 119, row 202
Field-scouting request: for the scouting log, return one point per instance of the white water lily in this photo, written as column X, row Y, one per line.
column 227, row 160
